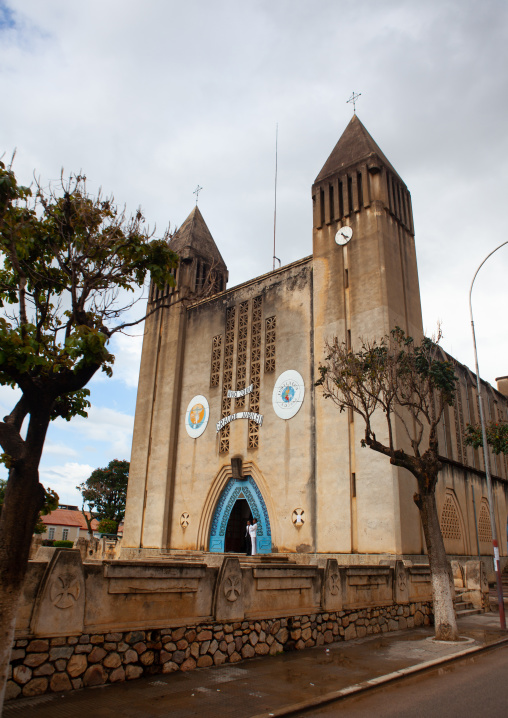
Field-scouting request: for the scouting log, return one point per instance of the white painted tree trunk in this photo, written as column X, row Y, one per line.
column 442, row 583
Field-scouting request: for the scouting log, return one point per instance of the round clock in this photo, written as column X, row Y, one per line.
column 343, row 235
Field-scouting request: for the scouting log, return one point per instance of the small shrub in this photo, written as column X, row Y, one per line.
column 63, row 544
column 48, row 542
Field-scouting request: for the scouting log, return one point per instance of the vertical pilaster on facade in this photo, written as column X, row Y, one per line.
column 336, row 200
column 327, row 207
column 345, row 194
column 356, row 199
column 389, row 193
column 365, row 185
column 316, row 205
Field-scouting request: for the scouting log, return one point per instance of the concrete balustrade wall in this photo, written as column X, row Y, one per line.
column 84, row 624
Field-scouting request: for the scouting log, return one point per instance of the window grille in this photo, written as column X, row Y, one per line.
column 450, row 524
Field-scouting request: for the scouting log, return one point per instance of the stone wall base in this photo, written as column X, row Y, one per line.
column 46, row 665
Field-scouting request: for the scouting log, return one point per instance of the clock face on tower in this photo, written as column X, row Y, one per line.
column 343, row 235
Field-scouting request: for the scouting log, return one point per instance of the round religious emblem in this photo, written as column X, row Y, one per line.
column 196, row 416
column 288, row 394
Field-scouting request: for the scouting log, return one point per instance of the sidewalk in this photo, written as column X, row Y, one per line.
column 265, row 687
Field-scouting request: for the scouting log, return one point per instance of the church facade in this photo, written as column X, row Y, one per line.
column 229, row 424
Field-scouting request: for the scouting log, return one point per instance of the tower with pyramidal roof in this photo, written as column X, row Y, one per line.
column 229, row 425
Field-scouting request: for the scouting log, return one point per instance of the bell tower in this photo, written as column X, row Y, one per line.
column 369, row 284
column 365, row 284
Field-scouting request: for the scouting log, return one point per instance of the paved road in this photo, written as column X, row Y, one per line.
column 475, row 687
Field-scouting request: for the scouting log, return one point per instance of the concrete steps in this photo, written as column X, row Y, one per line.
column 464, row 608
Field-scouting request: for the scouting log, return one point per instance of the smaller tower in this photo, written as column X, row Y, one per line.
column 201, row 273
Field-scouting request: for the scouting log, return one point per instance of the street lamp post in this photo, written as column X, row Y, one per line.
column 486, row 459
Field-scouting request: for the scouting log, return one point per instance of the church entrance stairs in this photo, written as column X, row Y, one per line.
column 463, row 607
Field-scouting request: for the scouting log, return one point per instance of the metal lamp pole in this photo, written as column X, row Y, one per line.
column 486, row 460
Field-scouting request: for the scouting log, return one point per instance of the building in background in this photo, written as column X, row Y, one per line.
column 67, row 523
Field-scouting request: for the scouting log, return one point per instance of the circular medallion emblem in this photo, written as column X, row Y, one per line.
column 288, row 394
column 196, row 416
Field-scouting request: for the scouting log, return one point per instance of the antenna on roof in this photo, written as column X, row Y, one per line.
column 275, row 206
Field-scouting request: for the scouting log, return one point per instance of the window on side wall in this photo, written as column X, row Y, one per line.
column 65, row 534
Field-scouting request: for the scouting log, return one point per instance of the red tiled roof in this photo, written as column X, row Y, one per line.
column 65, row 517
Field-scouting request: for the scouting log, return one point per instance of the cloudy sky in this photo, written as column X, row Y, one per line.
column 151, row 98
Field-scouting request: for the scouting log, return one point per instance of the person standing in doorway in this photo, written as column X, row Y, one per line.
column 253, row 530
column 247, row 541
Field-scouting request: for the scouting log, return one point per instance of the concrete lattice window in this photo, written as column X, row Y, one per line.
column 216, row 357
column 270, row 336
column 484, row 530
column 241, row 356
column 450, row 523
column 255, row 370
column 227, row 378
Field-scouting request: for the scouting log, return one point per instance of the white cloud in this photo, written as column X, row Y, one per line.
column 103, row 425
column 52, row 448
column 64, row 478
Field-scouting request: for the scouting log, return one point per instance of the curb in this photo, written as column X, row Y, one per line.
column 372, row 683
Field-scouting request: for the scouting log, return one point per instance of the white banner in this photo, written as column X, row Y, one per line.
column 258, row 418
column 241, row 392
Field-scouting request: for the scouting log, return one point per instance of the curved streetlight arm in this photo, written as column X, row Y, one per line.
column 486, row 459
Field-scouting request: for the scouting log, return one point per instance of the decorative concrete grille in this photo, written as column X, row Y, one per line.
column 216, row 357
column 459, row 425
column 484, row 530
column 227, row 376
column 450, row 524
column 270, row 328
column 255, row 370
column 241, row 354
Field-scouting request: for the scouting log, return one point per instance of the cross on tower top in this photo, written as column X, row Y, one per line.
column 196, row 192
column 353, row 100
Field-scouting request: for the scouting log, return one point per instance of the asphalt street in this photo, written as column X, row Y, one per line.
column 476, row 686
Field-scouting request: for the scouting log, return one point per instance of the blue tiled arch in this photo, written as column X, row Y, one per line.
column 230, row 494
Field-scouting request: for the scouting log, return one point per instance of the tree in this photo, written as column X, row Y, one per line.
column 411, row 385
column 497, row 436
column 68, row 261
column 50, row 504
column 105, row 491
column 107, row 526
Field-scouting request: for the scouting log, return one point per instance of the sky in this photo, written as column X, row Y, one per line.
column 150, row 99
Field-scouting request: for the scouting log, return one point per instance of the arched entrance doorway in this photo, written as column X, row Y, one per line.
column 240, row 500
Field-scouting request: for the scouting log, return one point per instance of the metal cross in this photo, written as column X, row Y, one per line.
column 353, row 100
column 196, row 192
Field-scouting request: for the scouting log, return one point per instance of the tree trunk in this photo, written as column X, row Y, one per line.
column 444, row 612
column 24, row 498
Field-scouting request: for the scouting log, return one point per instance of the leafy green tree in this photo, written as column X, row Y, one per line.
column 497, row 436
column 105, row 491
column 107, row 526
column 411, row 385
column 67, row 264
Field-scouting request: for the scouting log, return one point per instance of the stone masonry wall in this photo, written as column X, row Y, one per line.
column 45, row 665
